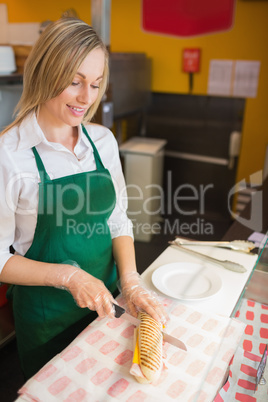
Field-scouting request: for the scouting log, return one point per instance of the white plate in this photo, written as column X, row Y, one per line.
column 186, row 281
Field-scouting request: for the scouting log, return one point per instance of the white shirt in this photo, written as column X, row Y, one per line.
column 19, row 179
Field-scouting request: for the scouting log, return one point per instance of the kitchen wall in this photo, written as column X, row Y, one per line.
column 247, row 40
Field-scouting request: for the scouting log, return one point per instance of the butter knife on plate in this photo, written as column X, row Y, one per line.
column 121, row 312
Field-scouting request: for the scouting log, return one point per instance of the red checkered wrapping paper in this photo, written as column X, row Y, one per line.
column 243, row 370
column 96, row 365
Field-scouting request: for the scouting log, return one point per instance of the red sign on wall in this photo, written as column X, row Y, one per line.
column 187, row 17
column 191, row 60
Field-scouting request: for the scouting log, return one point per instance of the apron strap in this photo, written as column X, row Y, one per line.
column 97, row 157
column 40, row 166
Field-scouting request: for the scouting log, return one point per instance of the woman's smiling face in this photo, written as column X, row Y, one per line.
column 71, row 105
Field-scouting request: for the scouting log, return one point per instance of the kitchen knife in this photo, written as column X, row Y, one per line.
column 237, row 245
column 121, row 312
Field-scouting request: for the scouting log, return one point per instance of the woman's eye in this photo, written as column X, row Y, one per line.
column 95, row 86
column 75, row 83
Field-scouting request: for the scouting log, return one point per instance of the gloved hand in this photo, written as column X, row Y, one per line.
column 86, row 290
column 139, row 298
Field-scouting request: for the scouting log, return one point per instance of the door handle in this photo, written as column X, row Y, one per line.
column 234, row 147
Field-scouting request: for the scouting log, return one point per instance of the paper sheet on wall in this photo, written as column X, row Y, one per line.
column 246, row 78
column 233, row 78
column 220, row 77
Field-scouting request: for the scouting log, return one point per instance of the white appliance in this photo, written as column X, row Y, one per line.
column 7, row 60
column 143, row 169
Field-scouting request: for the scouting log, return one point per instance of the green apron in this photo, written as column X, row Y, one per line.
column 71, row 225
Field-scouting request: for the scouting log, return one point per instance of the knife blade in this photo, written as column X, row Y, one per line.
column 121, row 312
column 237, row 245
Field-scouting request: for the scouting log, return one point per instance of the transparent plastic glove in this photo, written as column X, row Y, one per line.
column 86, row 290
column 139, row 298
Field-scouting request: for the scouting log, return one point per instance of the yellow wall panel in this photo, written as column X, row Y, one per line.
column 33, row 11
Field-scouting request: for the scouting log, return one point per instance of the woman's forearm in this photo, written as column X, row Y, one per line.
column 19, row 270
column 86, row 290
column 124, row 255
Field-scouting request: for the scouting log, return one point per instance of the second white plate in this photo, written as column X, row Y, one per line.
column 186, row 281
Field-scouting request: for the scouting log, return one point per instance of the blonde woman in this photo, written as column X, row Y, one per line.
column 62, row 204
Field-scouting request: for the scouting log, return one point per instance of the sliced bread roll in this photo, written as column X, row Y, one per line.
column 147, row 360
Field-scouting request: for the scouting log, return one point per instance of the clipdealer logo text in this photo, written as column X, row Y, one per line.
column 254, row 222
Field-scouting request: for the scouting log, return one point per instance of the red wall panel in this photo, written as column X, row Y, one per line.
column 187, row 17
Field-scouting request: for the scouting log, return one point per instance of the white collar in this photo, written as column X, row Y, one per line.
column 30, row 134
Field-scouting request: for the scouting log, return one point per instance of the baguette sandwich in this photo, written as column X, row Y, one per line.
column 148, row 341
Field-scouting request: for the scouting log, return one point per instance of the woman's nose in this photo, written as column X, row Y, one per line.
column 86, row 95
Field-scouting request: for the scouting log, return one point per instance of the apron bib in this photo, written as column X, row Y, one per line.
column 71, row 226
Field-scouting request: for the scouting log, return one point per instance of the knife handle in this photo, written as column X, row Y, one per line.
column 118, row 310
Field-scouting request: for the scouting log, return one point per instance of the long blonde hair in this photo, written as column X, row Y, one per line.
column 53, row 62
